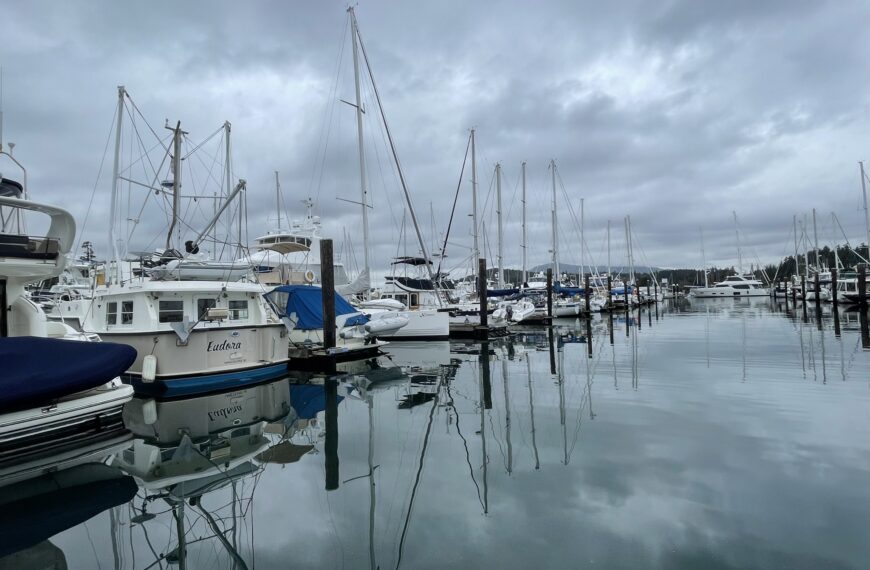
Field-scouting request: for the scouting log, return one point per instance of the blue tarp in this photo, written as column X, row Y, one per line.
column 308, row 399
column 36, row 371
column 621, row 291
column 306, row 301
column 563, row 290
column 501, row 292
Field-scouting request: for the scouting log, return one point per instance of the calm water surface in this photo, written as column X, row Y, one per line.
column 712, row 435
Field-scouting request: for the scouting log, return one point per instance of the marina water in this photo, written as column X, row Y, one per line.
column 706, row 434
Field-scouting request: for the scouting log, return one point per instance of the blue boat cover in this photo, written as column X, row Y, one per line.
column 307, row 302
column 308, row 399
column 621, row 290
column 501, row 292
column 563, row 290
column 36, row 370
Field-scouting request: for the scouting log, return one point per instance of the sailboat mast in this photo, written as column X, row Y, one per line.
column 627, row 253
column 806, row 243
column 630, row 250
column 866, row 211
column 582, row 244
column 816, row 241
column 557, row 274
column 176, row 181
column 797, row 265
column 703, row 257
column 525, row 276
column 609, row 272
column 500, row 234
column 359, row 131
column 278, row 198
column 739, row 252
column 113, row 243
column 474, row 225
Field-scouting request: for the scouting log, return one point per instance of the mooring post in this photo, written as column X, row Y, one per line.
column 865, row 329
column 818, row 290
column 550, row 293
column 785, row 293
column 609, row 293
column 862, row 284
column 327, row 293
column 481, row 292
column 625, row 293
column 834, row 287
column 647, row 292
column 674, row 291
column 587, row 294
column 793, row 294
column 804, row 296
column 330, row 445
column 655, row 291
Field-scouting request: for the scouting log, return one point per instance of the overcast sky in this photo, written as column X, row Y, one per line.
column 675, row 113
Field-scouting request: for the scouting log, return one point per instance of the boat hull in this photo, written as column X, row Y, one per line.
column 428, row 324
column 178, row 387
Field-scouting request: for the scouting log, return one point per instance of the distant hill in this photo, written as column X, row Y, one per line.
column 573, row 268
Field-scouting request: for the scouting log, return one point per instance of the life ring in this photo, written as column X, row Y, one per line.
column 309, row 276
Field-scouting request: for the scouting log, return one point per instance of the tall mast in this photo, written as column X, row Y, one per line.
column 806, row 242
column 113, row 244
column 500, row 234
column 278, row 198
column 628, row 252
column 582, row 243
column 359, row 131
column 866, row 211
column 557, row 274
column 525, row 277
column 816, row 241
column 176, row 181
column 228, row 182
column 474, row 225
column 609, row 272
column 797, row 265
column 739, row 253
column 703, row 257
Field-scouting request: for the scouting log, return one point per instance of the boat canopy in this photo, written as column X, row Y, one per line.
column 563, row 290
column 37, row 371
column 501, row 292
column 306, row 303
column 10, row 188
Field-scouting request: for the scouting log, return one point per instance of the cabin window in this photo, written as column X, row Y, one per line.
column 127, row 312
column 112, row 313
column 401, row 298
column 238, row 310
column 741, row 286
column 202, row 307
column 171, row 311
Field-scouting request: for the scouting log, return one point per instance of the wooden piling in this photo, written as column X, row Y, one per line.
column 481, row 292
column 818, row 290
column 804, row 296
column 550, row 293
column 655, row 291
column 587, row 294
column 327, row 289
column 862, row 284
column 834, row 287
column 647, row 292
column 785, row 293
column 609, row 293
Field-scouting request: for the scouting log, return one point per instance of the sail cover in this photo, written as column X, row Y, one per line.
column 304, row 304
column 359, row 285
column 39, row 370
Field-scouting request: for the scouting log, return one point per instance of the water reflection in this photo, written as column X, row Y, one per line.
column 739, row 444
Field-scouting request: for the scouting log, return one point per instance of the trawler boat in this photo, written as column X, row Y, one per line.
column 847, row 290
column 195, row 327
column 731, row 287
column 53, row 384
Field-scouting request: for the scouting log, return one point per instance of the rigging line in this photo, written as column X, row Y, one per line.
column 453, row 210
column 210, row 170
column 96, row 183
column 220, row 129
column 419, row 473
column 146, row 155
column 326, row 127
column 147, row 124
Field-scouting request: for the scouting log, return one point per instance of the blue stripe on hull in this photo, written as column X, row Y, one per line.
column 202, row 384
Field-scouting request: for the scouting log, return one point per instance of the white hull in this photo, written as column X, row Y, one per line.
column 64, row 413
column 727, row 293
column 423, row 323
column 208, row 350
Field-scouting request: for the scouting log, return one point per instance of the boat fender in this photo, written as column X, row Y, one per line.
column 149, row 368
column 149, row 412
column 309, row 276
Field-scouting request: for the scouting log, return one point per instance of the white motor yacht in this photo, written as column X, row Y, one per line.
column 732, row 287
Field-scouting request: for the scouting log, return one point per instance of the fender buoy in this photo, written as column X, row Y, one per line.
column 309, row 276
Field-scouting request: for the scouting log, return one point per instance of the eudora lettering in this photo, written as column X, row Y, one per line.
column 221, row 346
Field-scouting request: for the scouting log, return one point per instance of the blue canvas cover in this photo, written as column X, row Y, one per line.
column 501, row 292
column 35, row 370
column 560, row 289
column 307, row 302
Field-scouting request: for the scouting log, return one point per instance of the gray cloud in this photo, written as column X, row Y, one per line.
column 675, row 114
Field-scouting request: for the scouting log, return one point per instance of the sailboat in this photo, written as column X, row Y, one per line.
column 421, row 299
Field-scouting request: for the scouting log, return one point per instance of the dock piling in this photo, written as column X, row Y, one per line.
column 862, row 284
column 834, row 287
column 327, row 293
column 587, row 294
column 550, row 293
column 481, row 292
